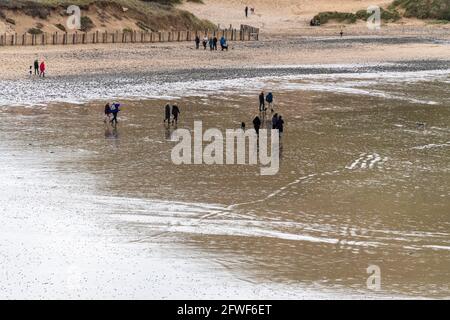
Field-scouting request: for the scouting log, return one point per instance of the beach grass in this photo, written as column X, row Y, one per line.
column 156, row 14
column 424, row 9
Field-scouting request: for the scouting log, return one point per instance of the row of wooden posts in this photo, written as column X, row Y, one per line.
column 63, row 38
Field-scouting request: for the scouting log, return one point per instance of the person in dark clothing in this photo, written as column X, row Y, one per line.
column 197, row 42
column 262, row 106
column 243, row 126
column 175, row 113
column 115, row 108
column 269, row 99
column 36, row 67
column 167, row 114
column 257, row 124
column 215, row 40
column 211, row 43
column 205, row 41
column 223, row 43
column 246, row 12
column 274, row 121
column 107, row 112
column 280, row 125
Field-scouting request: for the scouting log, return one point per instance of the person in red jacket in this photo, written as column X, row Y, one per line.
column 42, row 69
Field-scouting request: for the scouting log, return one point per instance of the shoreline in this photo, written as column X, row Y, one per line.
column 177, row 83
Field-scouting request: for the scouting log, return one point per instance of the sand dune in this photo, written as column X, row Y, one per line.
column 275, row 16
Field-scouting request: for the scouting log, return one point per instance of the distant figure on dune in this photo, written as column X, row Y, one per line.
column 197, row 42
column 175, row 113
column 246, row 11
column 167, row 114
column 36, row 67
column 223, row 43
column 42, row 69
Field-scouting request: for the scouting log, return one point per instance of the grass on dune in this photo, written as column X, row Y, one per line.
column 424, row 9
column 156, row 14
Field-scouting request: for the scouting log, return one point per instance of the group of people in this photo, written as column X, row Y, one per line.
column 252, row 11
column 263, row 99
column 111, row 112
column 39, row 68
column 212, row 42
column 277, row 121
column 171, row 114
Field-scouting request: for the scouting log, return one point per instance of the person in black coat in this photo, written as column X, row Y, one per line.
column 257, row 124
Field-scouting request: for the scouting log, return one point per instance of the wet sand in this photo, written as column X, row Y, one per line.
column 359, row 184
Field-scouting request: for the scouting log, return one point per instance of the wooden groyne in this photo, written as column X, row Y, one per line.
column 63, row 38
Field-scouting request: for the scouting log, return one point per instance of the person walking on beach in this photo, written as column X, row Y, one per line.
column 205, row 41
column 246, row 11
column 107, row 112
column 223, row 43
column 269, row 100
column 262, row 106
column 275, row 121
column 115, row 108
column 280, row 125
column 42, row 69
column 257, row 124
column 167, row 114
column 197, row 42
column 36, row 67
column 211, row 43
column 215, row 40
column 175, row 113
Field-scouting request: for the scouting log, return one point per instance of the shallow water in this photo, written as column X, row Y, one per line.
column 360, row 183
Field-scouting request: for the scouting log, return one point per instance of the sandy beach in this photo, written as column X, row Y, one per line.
column 272, row 50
